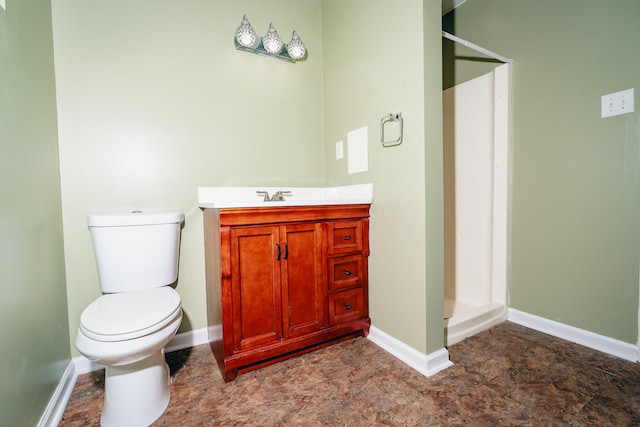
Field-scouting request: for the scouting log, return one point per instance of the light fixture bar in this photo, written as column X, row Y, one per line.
column 259, row 50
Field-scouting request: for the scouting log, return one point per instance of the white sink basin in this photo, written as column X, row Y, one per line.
column 246, row 197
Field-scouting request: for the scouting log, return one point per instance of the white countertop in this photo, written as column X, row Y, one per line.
column 246, row 197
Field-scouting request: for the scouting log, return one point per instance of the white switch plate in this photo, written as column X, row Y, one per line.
column 617, row 103
column 3, row 4
column 339, row 150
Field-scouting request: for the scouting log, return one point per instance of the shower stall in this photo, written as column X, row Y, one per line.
column 476, row 176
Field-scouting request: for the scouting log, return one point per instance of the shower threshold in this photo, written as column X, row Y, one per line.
column 463, row 320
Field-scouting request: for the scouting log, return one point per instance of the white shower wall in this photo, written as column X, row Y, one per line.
column 476, row 141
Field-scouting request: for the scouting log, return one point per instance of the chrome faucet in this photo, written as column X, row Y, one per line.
column 278, row 196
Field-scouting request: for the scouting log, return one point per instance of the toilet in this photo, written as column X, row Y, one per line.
column 127, row 328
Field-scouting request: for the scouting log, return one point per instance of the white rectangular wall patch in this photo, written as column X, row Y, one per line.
column 357, row 150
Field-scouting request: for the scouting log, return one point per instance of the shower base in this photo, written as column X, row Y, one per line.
column 462, row 320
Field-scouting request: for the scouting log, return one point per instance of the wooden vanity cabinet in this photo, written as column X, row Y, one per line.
column 276, row 283
column 286, row 280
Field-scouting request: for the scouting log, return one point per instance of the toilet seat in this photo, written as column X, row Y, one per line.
column 129, row 315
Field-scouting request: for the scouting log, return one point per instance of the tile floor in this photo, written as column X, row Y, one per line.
column 508, row 375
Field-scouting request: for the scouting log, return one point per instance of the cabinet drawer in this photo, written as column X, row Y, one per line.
column 345, row 236
column 346, row 305
column 345, row 272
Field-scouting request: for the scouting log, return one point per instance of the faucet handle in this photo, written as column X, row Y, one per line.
column 263, row 194
column 278, row 196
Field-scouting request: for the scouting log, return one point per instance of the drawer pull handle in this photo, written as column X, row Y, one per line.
column 278, row 252
column 347, row 273
column 346, row 237
column 348, row 306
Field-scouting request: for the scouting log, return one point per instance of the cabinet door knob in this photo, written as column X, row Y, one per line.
column 347, row 273
column 278, row 251
column 348, row 306
column 346, row 237
column 286, row 251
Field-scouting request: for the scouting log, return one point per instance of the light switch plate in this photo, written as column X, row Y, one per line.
column 617, row 103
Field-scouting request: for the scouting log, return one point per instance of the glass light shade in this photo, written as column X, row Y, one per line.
column 246, row 35
column 272, row 42
column 296, row 49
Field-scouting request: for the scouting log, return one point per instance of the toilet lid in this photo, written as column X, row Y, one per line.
column 128, row 315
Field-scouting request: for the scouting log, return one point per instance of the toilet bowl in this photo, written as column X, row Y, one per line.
column 137, row 382
column 127, row 328
column 118, row 329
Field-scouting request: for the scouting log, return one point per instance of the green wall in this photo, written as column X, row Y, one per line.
column 434, row 174
column 370, row 70
column 575, row 239
column 374, row 65
column 154, row 101
column 33, row 307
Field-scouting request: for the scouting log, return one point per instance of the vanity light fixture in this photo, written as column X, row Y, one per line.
column 272, row 42
column 296, row 49
column 246, row 36
column 270, row 45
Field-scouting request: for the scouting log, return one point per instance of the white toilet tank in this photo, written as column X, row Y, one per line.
column 136, row 250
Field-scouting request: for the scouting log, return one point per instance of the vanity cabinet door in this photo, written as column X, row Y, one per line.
column 255, row 286
column 277, row 283
column 303, row 294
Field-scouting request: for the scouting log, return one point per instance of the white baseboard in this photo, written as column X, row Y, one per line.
column 187, row 340
column 426, row 364
column 54, row 410
column 179, row 342
column 579, row 336
column 84, row 365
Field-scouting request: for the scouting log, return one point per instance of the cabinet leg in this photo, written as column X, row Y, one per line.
column 230, row 375
column 366, row 325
